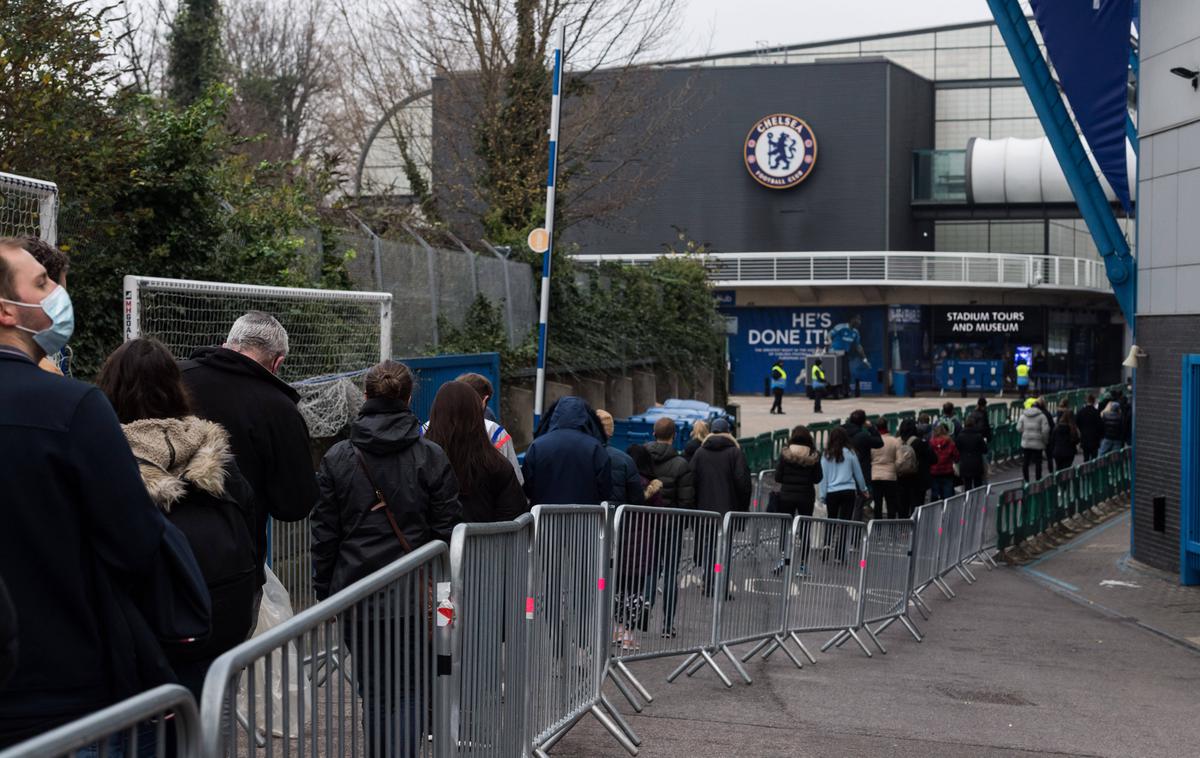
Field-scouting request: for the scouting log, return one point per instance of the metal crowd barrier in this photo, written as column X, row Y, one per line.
column 764, row 486
column 663, row 603
column 384, row 694
column 489, row 580
column 159, row 722
column 926, row 553
column 825, row 583
column 291, row 560
column 887, row 578
column 568, row 650
column 950, row 539
column 752, row 584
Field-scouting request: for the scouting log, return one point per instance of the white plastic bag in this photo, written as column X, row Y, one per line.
column 817, row 535
column 276, row 608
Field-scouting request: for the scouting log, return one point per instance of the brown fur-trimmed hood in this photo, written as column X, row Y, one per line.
column 802, row 455
column 175, row 451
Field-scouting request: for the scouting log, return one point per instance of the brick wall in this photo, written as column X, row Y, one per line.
column 1157, row 434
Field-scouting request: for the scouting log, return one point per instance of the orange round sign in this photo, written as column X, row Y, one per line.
column 539, row 240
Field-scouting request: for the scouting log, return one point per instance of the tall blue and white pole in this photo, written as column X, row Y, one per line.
column 539, row 395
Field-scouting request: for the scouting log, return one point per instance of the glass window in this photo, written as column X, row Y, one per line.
column 1017, row 237
column 960, row 237
column 975, row 36
column 1011, row 102
column 1023, row 128
column 961, row 104
column 1002, row 63
column 920, row 62
column 903, row 42
column 953, row 135
column 963, row 63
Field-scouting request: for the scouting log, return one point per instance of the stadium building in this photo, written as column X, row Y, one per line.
column 899, row 186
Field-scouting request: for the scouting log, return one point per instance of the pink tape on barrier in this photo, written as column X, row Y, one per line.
column 862, row 564
column 600, row 584
column 939, row 530
column 717, row 568
column 528, row 607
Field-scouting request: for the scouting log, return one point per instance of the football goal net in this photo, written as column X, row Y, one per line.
column 28, row 208
column 333, row 335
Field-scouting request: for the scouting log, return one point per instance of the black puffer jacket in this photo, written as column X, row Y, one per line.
column 349, row 539
column 863, row 440
column 1091, row 428
column 266, row 431
column 190, row 475
column 670, row 468
column 1062, row 441
column 972, row 447
column 798, row 472
column 721, row 475
column 1113, row 419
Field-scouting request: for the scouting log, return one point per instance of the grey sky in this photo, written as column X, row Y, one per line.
column 727, row 25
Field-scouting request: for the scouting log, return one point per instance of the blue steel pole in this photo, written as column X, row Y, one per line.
column 539, row 395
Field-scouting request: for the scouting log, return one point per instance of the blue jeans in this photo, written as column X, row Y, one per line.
column 1107, row 446
column 943, row 487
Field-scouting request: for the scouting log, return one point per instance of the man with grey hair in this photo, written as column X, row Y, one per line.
column 237, row 386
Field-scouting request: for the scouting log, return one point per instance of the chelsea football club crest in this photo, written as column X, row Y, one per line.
column 780, row 151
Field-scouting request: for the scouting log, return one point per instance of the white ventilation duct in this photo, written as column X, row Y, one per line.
column 1015, row 171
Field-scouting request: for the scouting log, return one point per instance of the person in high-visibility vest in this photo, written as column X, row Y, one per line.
column 1022, row 379
column 816, row 379
column 778, row 382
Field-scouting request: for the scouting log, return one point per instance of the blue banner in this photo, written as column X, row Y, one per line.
column 1088, row 45
column 765, row 335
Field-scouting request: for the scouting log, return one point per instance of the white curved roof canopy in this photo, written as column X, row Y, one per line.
column 1012, row 170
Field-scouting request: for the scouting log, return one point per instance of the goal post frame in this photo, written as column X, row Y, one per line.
column 134, row 284
column 47, row 194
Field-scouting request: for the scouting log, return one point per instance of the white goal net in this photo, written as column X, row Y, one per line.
column 333, row 335
column 28, row 208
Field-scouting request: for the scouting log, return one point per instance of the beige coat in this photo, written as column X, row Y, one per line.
column 883, row 459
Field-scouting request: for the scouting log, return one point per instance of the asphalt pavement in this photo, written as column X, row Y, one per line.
column 1014, row 666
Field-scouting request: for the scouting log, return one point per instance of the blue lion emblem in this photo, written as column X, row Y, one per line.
column 781, row 151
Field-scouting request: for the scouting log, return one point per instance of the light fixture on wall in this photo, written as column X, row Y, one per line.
column 1186, row 73
column 1135, row 357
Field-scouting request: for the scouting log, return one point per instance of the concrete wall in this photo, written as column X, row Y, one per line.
column 1168, row 322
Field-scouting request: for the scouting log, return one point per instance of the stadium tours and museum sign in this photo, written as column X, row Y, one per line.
column 981, row 323
column 780, row 151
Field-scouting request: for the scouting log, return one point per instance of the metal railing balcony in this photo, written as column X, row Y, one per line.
column 884, row 269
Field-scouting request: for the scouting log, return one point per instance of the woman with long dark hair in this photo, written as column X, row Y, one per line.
column 1064, row 439
column 487, row 485
column 841, row 475
column 797, row 472
column 187, row 466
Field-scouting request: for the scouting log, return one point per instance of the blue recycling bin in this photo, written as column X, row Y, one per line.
column 900, row 383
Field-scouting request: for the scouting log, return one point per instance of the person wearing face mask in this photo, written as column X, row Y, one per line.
column 237, row 386
column 74, row 510
column 55, row 262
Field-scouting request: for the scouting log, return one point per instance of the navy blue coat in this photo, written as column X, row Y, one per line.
column 73, row 505
column 567, row 462
column 627, row 486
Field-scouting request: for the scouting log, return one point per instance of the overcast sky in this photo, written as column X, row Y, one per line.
column 720, row 26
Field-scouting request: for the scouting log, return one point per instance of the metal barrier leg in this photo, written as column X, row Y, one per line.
column 836, row 639
column 682, row 667
column 761, row 644
column 620, row 721
column 614, row 730
column 860, row 643
column 782, row 643
column 874, row 639
column 620, row 666
column 945, row 588
column 620, row 685
column 991, row 562
column 912, row 629
column 965, row 573
column 737, row 664
column 803, row 649
column 925, row 610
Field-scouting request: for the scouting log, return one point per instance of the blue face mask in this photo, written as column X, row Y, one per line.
column 56, row 305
